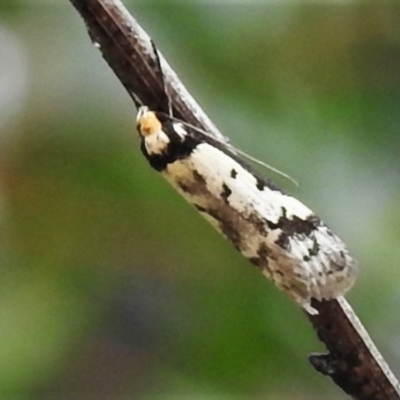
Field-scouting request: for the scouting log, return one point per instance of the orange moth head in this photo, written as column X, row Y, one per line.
column 147, row 122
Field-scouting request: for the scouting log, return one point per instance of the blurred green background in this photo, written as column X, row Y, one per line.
column 111, row 286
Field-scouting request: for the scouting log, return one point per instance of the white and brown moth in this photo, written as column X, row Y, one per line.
column 275, row 231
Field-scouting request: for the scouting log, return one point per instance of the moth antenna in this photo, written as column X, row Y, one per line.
column 240, row 152
column 164, row 86
column 265, row 165
column 172, row 118
column 138, row 103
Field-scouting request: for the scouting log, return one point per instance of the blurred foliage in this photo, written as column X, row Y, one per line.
column 112, row 287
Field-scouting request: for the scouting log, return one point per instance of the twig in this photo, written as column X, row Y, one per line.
column 352, row 361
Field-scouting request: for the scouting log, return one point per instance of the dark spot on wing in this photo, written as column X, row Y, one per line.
column 260, row 183
column 233, row 173
column 338, row 266
column 185, row 188
column 283, row 241
column 259, row 223
column 200, row 208
column 227, row 227
column 263, row 251
column 230, row 231
column 262, row 259
column 257, row 261
column 225, row 193
column 315, row 249
column 198, row 178
column 193, row 186
column 295, row 227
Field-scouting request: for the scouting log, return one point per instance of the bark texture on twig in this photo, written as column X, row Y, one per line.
column 352, row 361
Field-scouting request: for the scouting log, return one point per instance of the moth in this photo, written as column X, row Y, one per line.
column 291, row 246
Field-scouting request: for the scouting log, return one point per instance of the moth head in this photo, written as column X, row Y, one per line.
column 147, row 122
column 155, row 140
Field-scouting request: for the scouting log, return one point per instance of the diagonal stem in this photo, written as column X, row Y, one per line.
column 353, row 362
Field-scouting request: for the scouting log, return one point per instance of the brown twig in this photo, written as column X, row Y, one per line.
column 352, row 361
